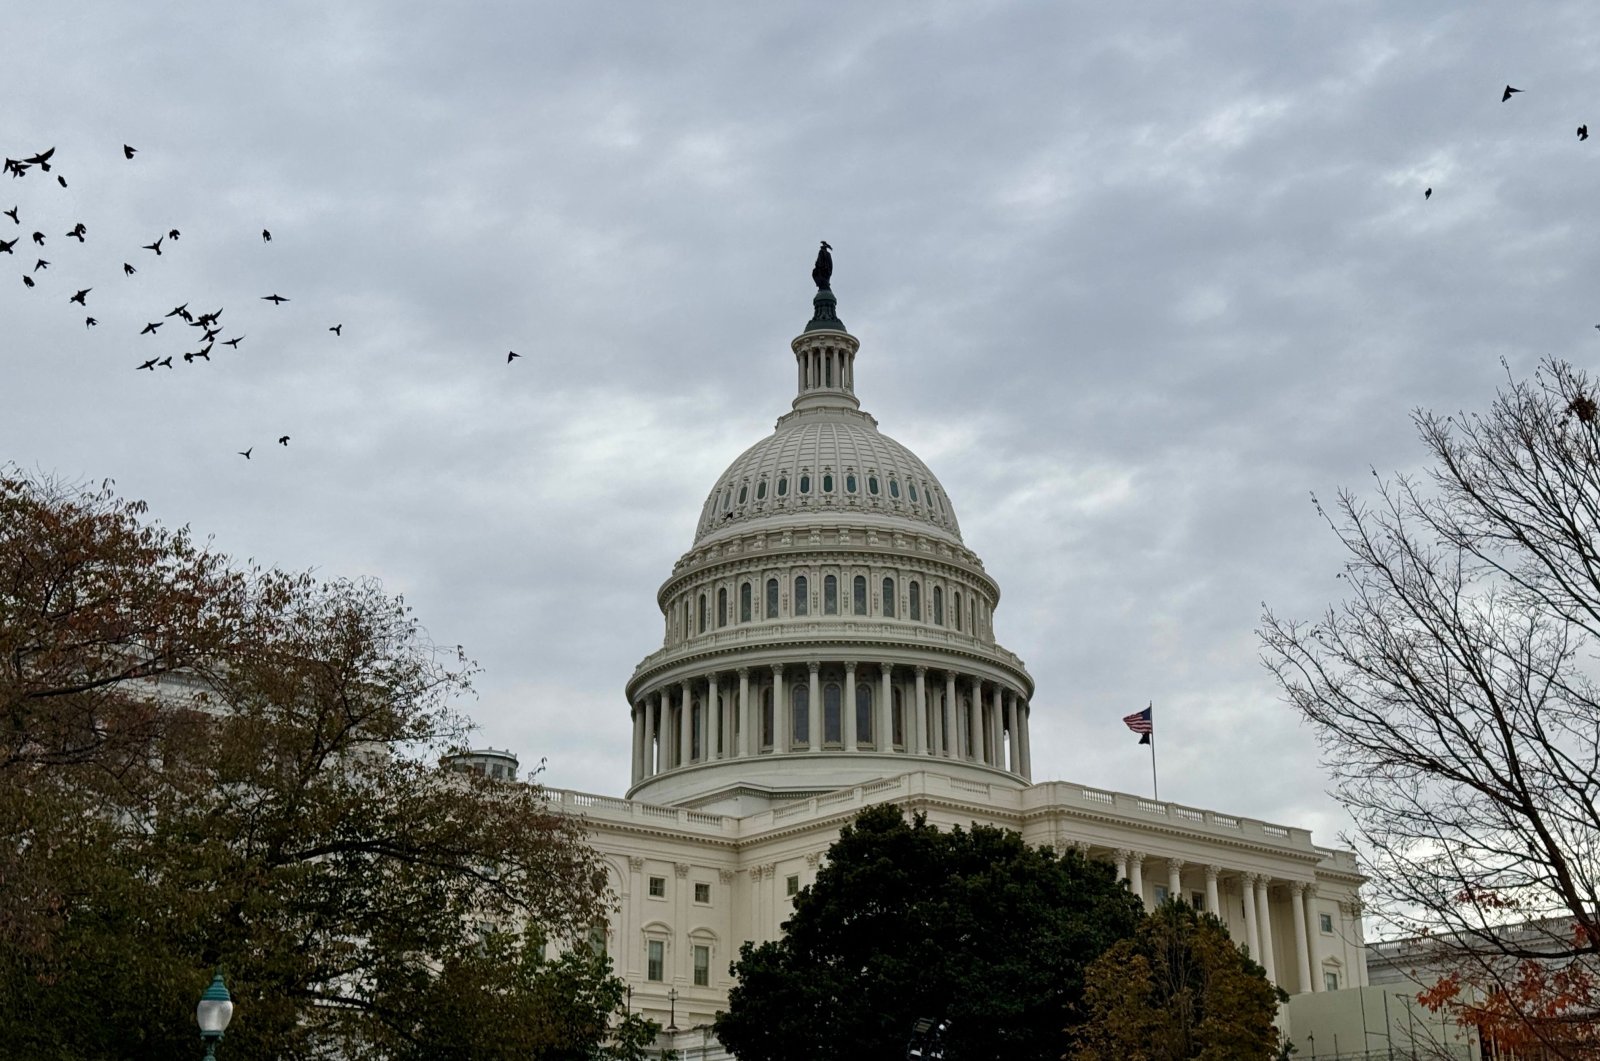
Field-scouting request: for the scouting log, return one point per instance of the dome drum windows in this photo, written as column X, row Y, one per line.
column 800, row 715
column 761, row 489
column 783, row 486
column 827, row 482
column 830, row 595
column 859, row 592
column 832, row 720
column 850, row 483
column 745, row 593
column 722, row 607
column 914, row 591
column 863, row 713
column 894, row 487
column 772, row 598
column 802, row 595
column 938, row 606
column 888, row 598
column 872, row 485
column 805, row 482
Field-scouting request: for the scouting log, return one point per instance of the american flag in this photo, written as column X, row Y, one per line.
column 1142, row 722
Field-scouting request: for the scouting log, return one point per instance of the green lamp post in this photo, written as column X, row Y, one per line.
column 213, row 1014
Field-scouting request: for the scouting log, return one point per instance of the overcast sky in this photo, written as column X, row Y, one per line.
column 1133, row 280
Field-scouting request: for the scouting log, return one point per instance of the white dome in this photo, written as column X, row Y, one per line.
column 826, row 461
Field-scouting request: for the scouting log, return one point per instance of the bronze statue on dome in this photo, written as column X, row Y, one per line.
column 822, row 272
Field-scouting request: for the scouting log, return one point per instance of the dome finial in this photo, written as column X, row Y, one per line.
column 823, row 315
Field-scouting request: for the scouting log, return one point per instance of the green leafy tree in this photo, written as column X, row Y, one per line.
column 906, row 921
column 205, row 765
column 1178, row 990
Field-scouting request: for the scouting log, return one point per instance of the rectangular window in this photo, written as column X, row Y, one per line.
column 658, row 887
column 1161, row 894
column 830, row 596
column 702, row 892
column 657, row 960
column 859, row 588
column 772, row 598
column 791, row 885
column 1325, row 923
column 1197, row 900
column 702, row 966
column 1330, row 981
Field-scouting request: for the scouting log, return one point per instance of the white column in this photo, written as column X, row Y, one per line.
column 1024, row 741
column 975, row 722
column 949, row 732
column 1252, row 934
column 1264, row 917
column 885, row 734
column 711, row 727
column 1122, row 863
column 1213, row 903
column 1174, row 878
column 814, row 712
column 638, row 742
column 919, row 711
column 1302, row 945
column 847, row 710
column 650, row 737
column 749, row 726
column 780, row 710
column 997, row 732
column 1136, row 875
column 685, row 727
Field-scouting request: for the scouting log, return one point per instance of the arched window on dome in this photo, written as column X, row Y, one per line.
column 827, row 482
column 722, row 606
column 802, row 595
column 766, row 717
column 830, row 595
column 761, row 489
column 863, row 713
column 800, row 712
column 911, row 488
column 898, row 718
column 744, row 602
column 888, row 598
column 805, row 483
column 832, row 722
column 872, row 485
column 702, row 623
column 894, row 487
column 744, row 493
column 860, row 594
column 914, row 591
column 955, row 607
column 772, row 598
column 850, row 483
column 938, row 606
column 727, row 499
column 783, row 485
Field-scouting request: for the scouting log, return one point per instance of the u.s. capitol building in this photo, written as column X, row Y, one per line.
column 830, row 644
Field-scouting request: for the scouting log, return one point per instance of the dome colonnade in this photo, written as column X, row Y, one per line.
column 827, row 610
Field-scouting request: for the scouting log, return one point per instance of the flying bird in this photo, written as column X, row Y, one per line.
column 266, row 237
column 150, row 329
column 150, row 364
column 1507, row 94
column 4, row 246
column 1583, row 131
column 42, row 160
column 173, row 235
column 40, row 264
column 27, row 281
column 127, row 152
column 12, row 214
column 337, row 329
column 180, row 311
column 165, row 362
column 78, row 230
column 128, row 270
column 234, row 342
column 89, row 322
column 38, row 237
column 276, row 300
column 80, row 296
column 283, row 440
column 245, row 453
column 510, row 355
column 1427, row 193
column 156, row 246
column 61, row 180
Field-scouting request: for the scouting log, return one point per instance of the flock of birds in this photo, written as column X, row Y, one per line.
column 1583, row 134
column 207, row 324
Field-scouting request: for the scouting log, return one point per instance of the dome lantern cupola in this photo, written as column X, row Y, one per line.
column 825, row 360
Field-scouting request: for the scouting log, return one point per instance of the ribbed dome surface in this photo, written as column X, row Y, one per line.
column 833, row 460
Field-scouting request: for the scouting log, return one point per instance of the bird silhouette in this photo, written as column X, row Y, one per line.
column 276, row 300
column 89, row 322
column 283, row 440
column 150, row 364
column 266, row 237
column 61, row 180
column 27, row 281
column 180, row 311
column 234, row 342
column 80, row 296
column 510, row 355
column 38, row 237
column 1507, row 94
column 1583, row 131
column 128, row 270
column 78, row 230
column 6, row 247
column 245, row 453
column 1427, row 193
column 172, row 234
column 40, row 264
column 42, row 160
column 12, row 214
column 150, row 329
column 127, row 152
column 210, row 334
column 156, row 246
column 337, row 329
column 165, row 362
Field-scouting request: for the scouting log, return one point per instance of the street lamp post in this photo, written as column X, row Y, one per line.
column 672, row 1014
column 213, row 1014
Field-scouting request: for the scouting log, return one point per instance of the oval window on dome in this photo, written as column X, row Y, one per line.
column 761, row 490
column 850, row 483
column 805, row 484
column 783, row 486
column 727, row 499
column 894, row 487
column 912, row 487
column 872, row 484
column 827, row 484
column 744, row 492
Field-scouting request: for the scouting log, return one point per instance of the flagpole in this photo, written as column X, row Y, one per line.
column 1155, row 786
